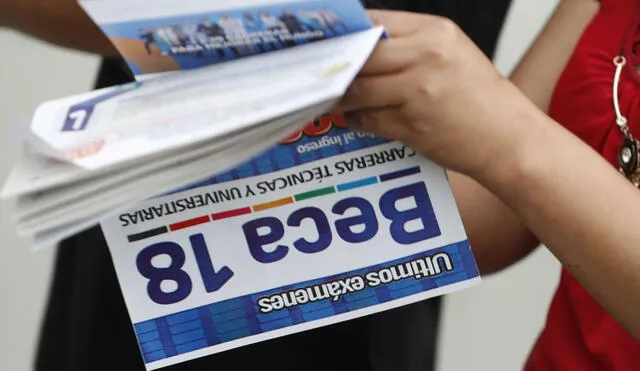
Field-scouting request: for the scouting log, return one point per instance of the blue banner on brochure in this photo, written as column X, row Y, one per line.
column 207, row 35
column 286, row 306
column 327, row 226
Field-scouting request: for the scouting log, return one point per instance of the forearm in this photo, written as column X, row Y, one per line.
column 61, row 22
column 580, row 207
column 456, row 110
column 539, row 70
column 497, row 236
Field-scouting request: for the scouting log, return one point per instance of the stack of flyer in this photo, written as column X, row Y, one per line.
column 237, row 209
column 189, row 115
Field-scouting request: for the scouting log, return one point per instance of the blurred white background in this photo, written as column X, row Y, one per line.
column 490, row 327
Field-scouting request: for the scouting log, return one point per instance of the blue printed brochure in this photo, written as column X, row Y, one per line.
column 235, row 207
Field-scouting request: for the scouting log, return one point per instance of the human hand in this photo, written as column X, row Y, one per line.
column 61, row 22
column 431, row 88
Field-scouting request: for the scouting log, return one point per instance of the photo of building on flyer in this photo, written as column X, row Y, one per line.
column 196, row 40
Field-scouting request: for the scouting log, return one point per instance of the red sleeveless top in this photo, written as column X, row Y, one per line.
column 579, row 334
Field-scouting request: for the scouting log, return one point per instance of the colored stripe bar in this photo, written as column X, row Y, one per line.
column 316, row 193
column 147, row 234
column 231, row 213
column 189, row 223
column 400, row 174
column 357, row 184
column 273, row 204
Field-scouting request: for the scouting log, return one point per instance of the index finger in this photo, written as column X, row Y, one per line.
column 391, row 56
column 398, row 23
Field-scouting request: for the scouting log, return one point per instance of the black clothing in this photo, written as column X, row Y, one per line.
column 481, row 20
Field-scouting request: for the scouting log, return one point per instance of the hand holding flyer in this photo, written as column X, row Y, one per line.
column 236, row 209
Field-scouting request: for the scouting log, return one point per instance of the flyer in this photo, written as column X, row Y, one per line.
column 326, row 226
column 95, row 153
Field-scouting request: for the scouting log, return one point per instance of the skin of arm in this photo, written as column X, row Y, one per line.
column 498, row 237
column 60, row 22
column 587, row 214
column 581, row 208
column 429, row 87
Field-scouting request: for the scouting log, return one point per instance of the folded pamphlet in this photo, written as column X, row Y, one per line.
column 118, row 139
column 235, row 207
